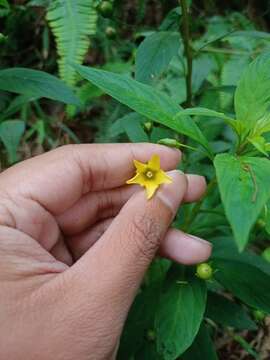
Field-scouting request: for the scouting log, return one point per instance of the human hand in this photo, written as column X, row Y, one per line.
column 75, row 242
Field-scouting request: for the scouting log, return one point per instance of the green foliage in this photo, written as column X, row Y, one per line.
column 227, row 313
column 154, row 55
column 143, row 99
column 37, row 84
column 11, row 132
column 72, row 22
column 180, row 312
column 202, row 347
column 243, row 184
column 246, row 275
column 252, row 95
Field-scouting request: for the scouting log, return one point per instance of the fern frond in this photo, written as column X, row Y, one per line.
column 72, row 22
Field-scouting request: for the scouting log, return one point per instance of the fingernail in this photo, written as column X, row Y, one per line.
column 172, row 194
column 185, row 248
column 200, row 240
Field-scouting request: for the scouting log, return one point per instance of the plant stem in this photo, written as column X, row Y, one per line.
column 197, row 208
column 188, row 51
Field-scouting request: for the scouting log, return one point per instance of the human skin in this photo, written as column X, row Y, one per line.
column 75, row 242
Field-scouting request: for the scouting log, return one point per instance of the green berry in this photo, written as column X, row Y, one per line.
column 105, row 9
column 151, row 335
column 259, row 315
column 266, row 254
column 110, row 32
column 148, row 126
column 204, row 271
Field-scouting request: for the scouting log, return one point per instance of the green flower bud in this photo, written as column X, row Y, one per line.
column 170, row 142
column 148, row 126
column 204, row 271
column 105, row 8
column 259, row 315
column 110, row 32
column 151, row 335
column 266, row 254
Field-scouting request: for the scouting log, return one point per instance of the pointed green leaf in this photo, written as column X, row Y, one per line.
column 179, row 313
column 154, row 55
column 252, row 96
column 37, row 84
column 244, row 188
column 202, row 347
column 11, row 132
column 227, row 313
column 199, row 111
column 145, row 100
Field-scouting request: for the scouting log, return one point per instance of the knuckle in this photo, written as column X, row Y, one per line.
column 146, row 232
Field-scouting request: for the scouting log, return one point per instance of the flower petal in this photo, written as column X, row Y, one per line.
column 140, row 167
column 162, row 178
column 154, row 163
column 151, row 189
column 137, row 179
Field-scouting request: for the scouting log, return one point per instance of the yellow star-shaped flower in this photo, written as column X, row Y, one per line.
column 150, row 175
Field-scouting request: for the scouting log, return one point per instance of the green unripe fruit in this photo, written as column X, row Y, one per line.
column 204, row 271
column 266, row 254
column 2, row 37
column 259, row 315
column 148, row 126
column 151, row 335
column 105, row 9
column 110, row 32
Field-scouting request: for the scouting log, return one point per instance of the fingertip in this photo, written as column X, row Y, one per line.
column 184, row 248
column 196, row 188
column 169, row 157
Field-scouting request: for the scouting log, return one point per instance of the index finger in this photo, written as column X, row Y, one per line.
column 58, row 179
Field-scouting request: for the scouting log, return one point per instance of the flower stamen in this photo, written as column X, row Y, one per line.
column 149, row 174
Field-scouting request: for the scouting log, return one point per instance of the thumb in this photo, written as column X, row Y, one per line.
column 121, row 256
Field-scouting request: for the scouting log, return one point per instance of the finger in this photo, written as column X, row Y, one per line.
column 59, row 178
column 195, row 189
column 61, row 252
column 99, row 205
column 81, row 243
column 184, row 248
column 121, row 256
column 93, row 207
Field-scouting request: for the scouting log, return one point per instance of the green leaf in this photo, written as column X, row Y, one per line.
column 132, row 125
column 246, row 274
column 37, row 84
column 259, row 143
column 246, row 281
column 243, row 183
column 179, row 313
column 252, row 96
column 4, row 4
column 154, row 55
column 145, row 100
column 227, row 313
column 11, row 132
column 142, row 313
column 202, row 347
column 199, row 111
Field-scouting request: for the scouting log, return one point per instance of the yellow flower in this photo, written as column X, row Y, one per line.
column 150, row 175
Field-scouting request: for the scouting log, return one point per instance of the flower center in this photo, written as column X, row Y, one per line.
column 149, row 174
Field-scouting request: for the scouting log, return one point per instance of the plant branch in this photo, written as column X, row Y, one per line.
column 188, row 51
column 197, row 208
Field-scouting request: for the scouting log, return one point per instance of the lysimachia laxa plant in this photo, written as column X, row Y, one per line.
column 166, row 320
